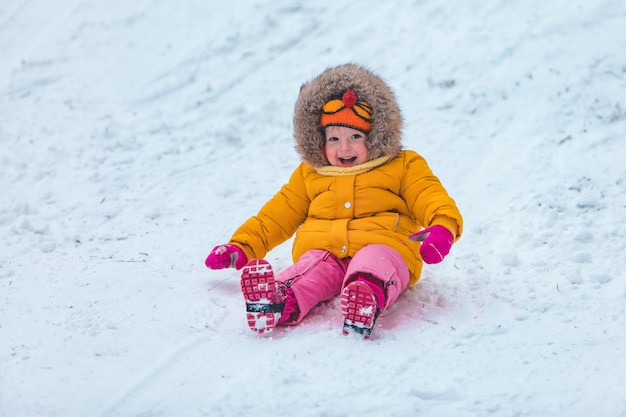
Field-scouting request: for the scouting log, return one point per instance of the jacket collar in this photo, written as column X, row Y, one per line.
column 333, row 171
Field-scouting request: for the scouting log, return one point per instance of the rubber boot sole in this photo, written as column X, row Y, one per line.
column 258, row 287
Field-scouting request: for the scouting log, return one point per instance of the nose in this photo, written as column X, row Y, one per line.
column 345, row 144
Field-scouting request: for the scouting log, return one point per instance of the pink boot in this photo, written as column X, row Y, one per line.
column 361, row 302
column 268, row 302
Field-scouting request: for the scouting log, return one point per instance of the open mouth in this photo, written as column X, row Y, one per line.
column 347, row 161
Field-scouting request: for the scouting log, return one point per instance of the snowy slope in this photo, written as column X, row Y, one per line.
column 135, row 136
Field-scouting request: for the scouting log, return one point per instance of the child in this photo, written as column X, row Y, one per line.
column 353, row 203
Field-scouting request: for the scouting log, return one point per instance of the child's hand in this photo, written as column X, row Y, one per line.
column 226, row 256
column 436, row 245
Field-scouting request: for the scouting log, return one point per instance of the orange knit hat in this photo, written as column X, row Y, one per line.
column 349, row 112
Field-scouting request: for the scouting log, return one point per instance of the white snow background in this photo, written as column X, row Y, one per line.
column 136, row 135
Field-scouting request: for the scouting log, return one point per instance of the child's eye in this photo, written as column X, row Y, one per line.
column 332, row 139
column 357, row 136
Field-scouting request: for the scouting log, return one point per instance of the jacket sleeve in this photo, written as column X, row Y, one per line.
column 277, row 220
column 427, row 199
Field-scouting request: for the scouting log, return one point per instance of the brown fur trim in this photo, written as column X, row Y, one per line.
column 385, row 139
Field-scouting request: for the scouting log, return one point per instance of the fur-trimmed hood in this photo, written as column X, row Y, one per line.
column 386, row 135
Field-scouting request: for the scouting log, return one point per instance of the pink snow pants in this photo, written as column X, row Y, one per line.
column 319, row 276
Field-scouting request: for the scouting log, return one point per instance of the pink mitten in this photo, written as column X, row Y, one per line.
column 436, row 245
column 226, row 256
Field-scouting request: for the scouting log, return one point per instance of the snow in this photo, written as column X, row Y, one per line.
column 135, row 136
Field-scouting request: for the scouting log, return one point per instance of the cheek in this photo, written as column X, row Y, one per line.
column 330, row 152
column 364, row 152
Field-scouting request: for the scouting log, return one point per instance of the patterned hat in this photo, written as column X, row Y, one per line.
column 348, row 111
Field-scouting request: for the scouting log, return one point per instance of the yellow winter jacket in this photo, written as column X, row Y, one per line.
column 343, row 213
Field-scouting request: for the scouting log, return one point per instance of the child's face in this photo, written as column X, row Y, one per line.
column 345, row 147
